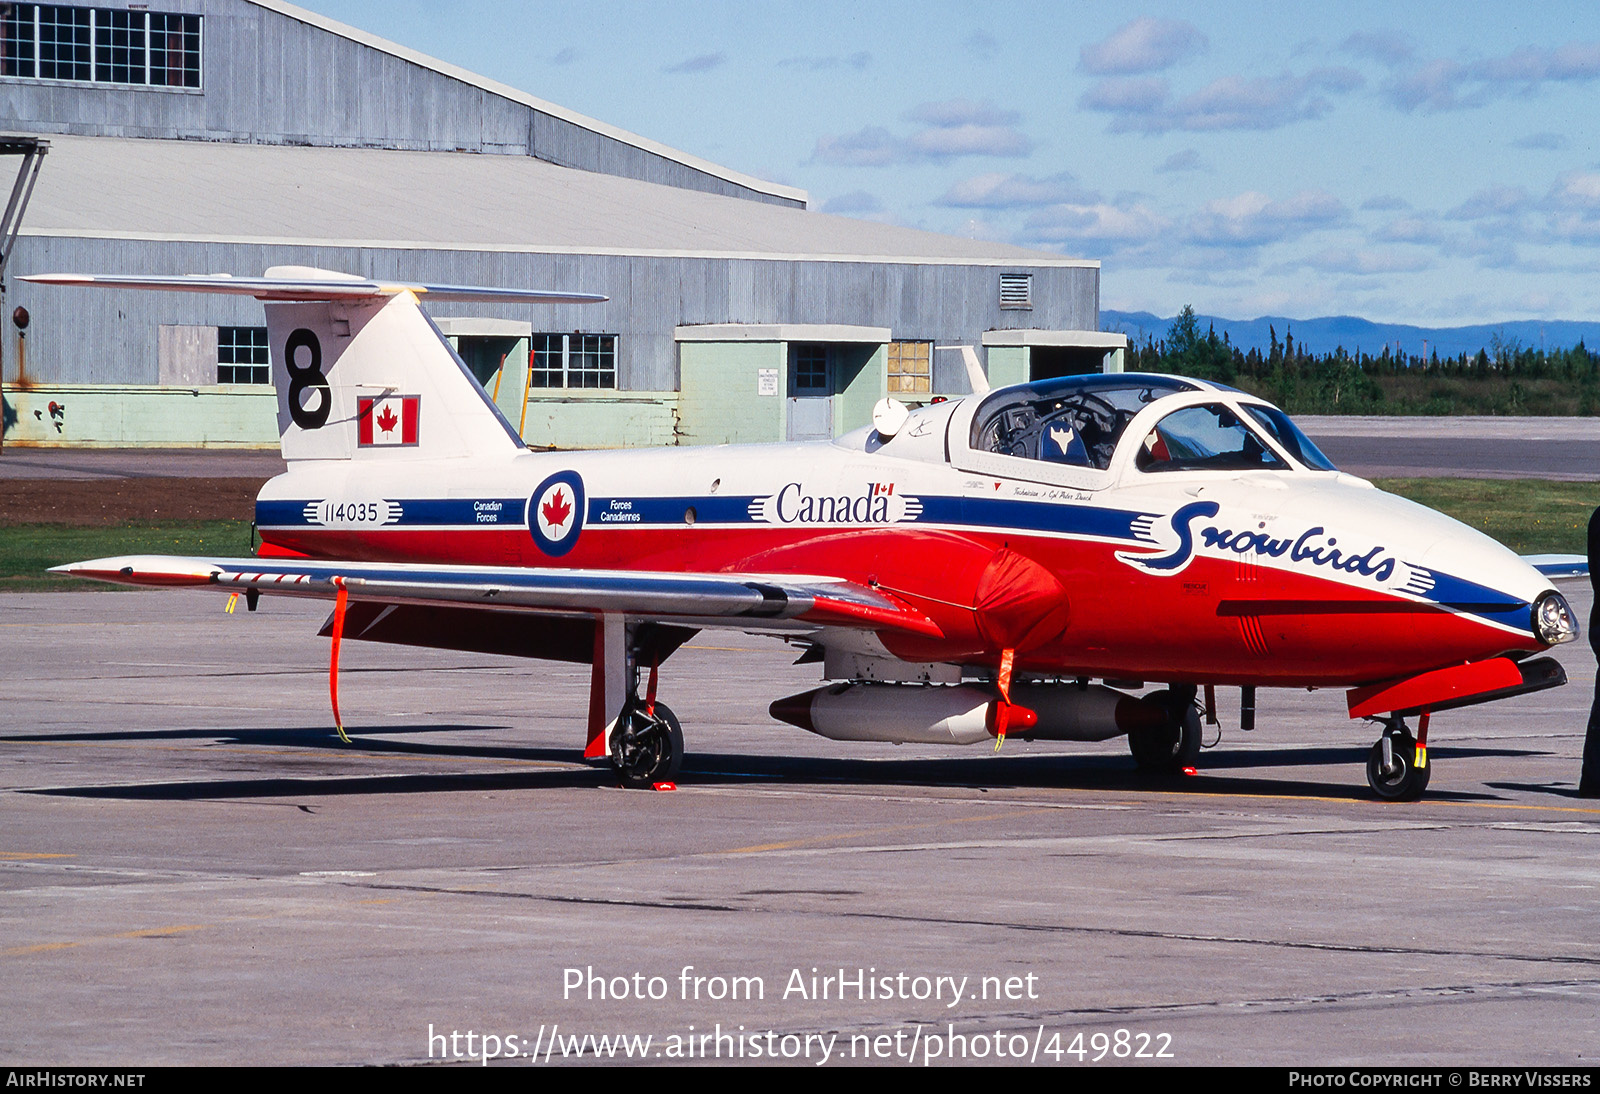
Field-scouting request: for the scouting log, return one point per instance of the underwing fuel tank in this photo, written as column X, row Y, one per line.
column 964, row 714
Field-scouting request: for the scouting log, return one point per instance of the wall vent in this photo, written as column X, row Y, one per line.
column 1016, row 292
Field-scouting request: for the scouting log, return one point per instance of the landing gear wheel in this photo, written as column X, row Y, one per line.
column 646, row 750
column 1400, row 780
column 1169, row 748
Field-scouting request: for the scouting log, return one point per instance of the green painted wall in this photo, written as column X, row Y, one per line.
column 1007, row 365
column 599, row 419
column 143, row 416
column 506, row 387
column 719, row 402
column 862, row 379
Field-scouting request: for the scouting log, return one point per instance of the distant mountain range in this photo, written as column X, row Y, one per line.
column 1324, row 335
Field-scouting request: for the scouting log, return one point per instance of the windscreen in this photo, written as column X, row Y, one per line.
column 1289, row 437
column 1205, row 438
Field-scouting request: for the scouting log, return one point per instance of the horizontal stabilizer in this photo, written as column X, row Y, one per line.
column 299, row 283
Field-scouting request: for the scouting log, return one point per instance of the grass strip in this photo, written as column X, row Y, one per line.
column 1530, row 516
column 27, row 551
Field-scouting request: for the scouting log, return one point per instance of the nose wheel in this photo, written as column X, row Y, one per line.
column 646, row 745
column 1168, row 748
column 1397, row 766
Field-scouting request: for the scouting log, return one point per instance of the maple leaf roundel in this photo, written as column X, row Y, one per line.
column 556, row 511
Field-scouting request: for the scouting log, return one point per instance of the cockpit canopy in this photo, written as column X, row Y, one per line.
column 1079, row 422
column 1070, row 419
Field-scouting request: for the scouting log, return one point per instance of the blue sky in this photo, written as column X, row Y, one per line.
column 1423, row 163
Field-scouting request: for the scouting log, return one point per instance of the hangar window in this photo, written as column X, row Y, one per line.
column 573, row 360
column 242, row 356
column 100, row 45
column 910, row 368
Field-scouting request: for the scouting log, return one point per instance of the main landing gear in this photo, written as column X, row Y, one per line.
column 646, row 743
column 1397, row 765
column 1168, row 748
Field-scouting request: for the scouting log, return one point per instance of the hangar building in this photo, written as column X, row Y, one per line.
column 203, row 136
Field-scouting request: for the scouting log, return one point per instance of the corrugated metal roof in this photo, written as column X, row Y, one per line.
column 105, row 187
column 505, row 91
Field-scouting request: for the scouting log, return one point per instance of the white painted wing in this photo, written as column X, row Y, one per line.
column 734, row 600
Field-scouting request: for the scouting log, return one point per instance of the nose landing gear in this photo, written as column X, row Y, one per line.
column 1397, row 765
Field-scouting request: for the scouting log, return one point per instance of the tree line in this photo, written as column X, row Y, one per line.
column 1503, row 378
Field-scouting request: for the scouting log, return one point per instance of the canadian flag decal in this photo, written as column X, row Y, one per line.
column 387, row 420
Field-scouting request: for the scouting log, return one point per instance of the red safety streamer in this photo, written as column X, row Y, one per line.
column 1002, row 715
column 339, row 604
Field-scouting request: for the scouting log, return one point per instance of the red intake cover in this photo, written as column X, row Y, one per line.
column 1018, row 603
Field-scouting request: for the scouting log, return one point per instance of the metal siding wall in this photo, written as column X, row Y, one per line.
column 274, row 80
column 87, row 335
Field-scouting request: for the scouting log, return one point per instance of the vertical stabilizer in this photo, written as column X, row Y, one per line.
column 373, row 377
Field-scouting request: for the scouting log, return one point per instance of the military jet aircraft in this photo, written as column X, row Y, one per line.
column 1019, row 561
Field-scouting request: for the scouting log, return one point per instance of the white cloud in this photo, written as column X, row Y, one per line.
column 1433, row 87
column 958, row 127
column 1574, row 61
column 1144, row 45
column 856, row 61
column 1574, row 204
column 1443, row 84
column 1412, row 229
column 1186, row 160
column 1230, row 102
column 873, row 146
column 962, row 112
column 982, row 45
column 1144, row 94
column 1390, row 47
column 1495, row 201
column 1251, row 218
column 705, row 62
column 998, row 190
column 944, row 142
column 1345, row 260
column 1099, row 222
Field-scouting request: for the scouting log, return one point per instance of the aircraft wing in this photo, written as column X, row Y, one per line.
column 1558, row 567
column 747, row 601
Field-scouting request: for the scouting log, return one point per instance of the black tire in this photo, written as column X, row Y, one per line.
column 646, row 750
column 1170, row 748
column 1407, row 781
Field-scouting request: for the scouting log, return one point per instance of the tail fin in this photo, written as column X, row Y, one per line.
column 356, row 377
column 359, row 368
